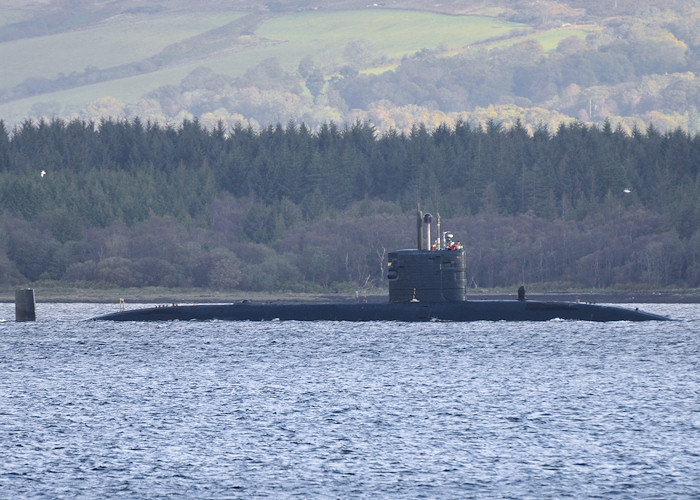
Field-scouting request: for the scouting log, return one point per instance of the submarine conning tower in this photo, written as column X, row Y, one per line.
column 433, row 272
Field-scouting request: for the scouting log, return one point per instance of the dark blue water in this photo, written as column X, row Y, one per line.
column 339, row 410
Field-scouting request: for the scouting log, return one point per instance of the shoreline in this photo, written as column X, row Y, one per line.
column 612, row 297
column 169, row 296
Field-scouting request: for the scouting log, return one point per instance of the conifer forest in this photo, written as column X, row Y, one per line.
column 123, row 203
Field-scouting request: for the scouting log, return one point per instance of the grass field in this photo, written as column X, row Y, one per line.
column 549, row 39
column 121, row 40
column 391, row 33
column 9, row 16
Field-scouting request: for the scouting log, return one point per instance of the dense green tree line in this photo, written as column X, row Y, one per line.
column 125, row 203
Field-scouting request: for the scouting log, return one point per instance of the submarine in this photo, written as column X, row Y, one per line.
column 426, row 283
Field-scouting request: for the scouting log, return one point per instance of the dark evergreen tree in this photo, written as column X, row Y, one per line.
column 83, row 196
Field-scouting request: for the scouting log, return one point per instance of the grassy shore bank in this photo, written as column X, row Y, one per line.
column 196, row 295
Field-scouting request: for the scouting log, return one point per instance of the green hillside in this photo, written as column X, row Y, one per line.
column 129, row 54
column 633, row 63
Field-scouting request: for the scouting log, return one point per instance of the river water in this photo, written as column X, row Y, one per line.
column 343, row 410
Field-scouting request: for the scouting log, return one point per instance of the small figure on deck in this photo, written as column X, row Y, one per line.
column 521, row 293
column 448, row 239
column 450, row 244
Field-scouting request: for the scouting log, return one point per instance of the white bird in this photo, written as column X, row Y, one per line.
column 43, row 173
column 627, row 190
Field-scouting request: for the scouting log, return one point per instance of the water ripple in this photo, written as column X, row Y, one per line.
column 319, row 410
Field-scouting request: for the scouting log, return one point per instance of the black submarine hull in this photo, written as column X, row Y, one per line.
column 478, row 310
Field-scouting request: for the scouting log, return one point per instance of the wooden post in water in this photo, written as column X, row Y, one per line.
column 25, row 305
